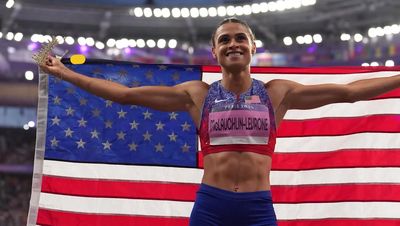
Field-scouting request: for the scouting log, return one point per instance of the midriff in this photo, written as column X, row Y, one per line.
column 237, row 171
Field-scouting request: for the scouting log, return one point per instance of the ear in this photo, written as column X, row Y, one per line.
column 213, row 53
column 253, row 48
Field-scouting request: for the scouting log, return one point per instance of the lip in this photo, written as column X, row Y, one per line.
column 227, row 54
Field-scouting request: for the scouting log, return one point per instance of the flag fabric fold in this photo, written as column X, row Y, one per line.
column 101, row 163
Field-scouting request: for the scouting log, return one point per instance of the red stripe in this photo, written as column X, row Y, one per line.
column 341, row 222
column 57, row 218
column 339, row 126
column 337, row 159
column 119, row 189
column 281, row 194
column 336, row 193
column 305, row 70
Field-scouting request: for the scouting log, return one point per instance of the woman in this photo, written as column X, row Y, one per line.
column 237, row 118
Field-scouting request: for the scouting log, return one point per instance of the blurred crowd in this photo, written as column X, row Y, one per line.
column 16, row 162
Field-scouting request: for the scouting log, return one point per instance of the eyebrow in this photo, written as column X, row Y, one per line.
column 236, row 34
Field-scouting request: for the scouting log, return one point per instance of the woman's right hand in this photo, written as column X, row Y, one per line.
column 53, row 66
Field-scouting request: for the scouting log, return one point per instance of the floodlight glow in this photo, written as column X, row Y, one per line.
column 31, row 124
column 203, row 12
column 345, row 37
column 255, row 8
column 212, row 12
column 10, row 36
column 264, row 7
column 374, row 64
column 131, row 43
column 221, row 11
column 230, row 10
column 29, row 75
column 259, row 43
column 317, row 38
column 18, row 36
column 300, row 40
column 287, row 41
column 151, row 43
column 365, row 64
column 194, row 12
column 138, row 12
column 111, row 42
column 161, row 43
column 140, row 43
column 389, row 63
column 99, row 45
column 185, row 12
column 238, row 10
column 90, row 41
column 147, row 12
column 172, row 43
column 69, row 40
column 60, row 39
column 165, row 12
column 10, row 4
column 358, row 37
column 176, row 12
column 308, row 39
column 82, row 41
column 157, row 12
column 272, row 6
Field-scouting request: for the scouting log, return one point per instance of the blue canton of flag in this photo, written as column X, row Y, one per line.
column 84, row 128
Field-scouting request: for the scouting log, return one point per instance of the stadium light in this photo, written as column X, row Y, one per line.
column 165, row 12
column 18, row 36
column 287, row 41
column 212, row 12
column 10, row 4
column 111, row 42
column 389, row 63
column 29, row 75
column 176, row 12
column 69, row 40
column 99, row 45
column 147, row 12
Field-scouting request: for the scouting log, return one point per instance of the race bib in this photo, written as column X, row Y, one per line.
column 239, row 123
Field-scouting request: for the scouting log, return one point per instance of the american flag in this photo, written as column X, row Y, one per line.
column 99, row 163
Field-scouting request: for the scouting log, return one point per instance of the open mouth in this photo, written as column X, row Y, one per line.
column 234, row 54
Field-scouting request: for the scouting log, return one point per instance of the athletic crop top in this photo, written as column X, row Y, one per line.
column 243, row 123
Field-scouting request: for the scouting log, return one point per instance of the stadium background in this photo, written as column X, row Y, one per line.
column 293, row 33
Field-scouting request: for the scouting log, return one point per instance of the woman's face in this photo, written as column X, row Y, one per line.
column 233, row 46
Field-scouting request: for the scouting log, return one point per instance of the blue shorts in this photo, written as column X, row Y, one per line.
column 217, row 207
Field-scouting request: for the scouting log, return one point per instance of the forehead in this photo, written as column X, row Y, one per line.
column 231, row 28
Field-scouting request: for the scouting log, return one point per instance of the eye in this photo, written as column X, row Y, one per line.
column 223, row 39
column 241, row 37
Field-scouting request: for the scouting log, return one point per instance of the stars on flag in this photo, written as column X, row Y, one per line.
column 84, row 122
column 55, row 121
column 121, row 135
column 54, row 142
column 160, row 125
column 147, row 114
column 81, row 144
column 70, row 111
column 185, row 126
column 147, row 136
column 68, row 132
column 57, row 100
column 121, row 113
column 95, row 134
column 107, row 145
column 173, row 115
column 134, row 125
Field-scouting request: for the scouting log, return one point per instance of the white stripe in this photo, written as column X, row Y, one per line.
column 122, row 172
column 336, row 176
column 183, row 209
column 332, row 143
column 143, row 173
column 367, row 210
column 238, row 140
column 115, row 205
column 361, row 108
column 308, row 79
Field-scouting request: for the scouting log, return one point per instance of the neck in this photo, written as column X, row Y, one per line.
column 236, row 82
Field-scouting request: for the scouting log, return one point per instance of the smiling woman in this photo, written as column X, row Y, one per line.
column 237, row 118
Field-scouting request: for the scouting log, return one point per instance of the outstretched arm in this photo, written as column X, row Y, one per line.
column 287, row 94
column 175, row 98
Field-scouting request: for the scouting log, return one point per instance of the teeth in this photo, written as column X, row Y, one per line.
column 235, row 54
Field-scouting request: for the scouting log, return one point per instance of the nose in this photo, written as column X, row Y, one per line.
column 233, row 43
